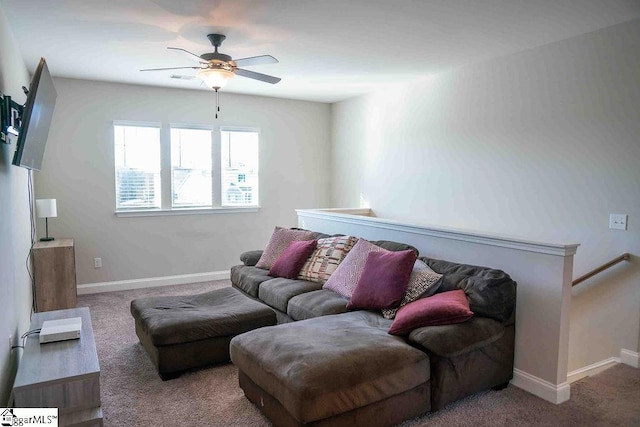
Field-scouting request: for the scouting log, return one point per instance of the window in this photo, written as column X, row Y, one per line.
column 137, row 159
column 185, row 168
column 239, row 168
column 191, row 180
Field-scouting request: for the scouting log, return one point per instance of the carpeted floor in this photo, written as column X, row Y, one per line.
column 134, row 395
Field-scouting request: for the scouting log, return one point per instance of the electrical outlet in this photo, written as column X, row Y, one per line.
column 618, row 221
column 97, row 263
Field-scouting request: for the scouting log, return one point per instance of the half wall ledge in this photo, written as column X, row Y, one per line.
column 360, row 216
column 542, row 270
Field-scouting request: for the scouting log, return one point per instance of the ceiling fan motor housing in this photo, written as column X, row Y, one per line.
column 215, row 56
column 216, row 40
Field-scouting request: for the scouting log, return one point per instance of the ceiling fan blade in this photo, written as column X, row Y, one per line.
column 181, row 77
column 255, row 60
column 257, row 76
column 171, row 68
column 191, row 54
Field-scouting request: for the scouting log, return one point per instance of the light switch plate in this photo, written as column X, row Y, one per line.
column 618, row 221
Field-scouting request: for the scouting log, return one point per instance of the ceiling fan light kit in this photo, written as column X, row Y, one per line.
column 216, row 69
column 215, row 78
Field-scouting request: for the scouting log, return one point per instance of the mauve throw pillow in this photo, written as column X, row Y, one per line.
column 280, row 239
column 423, row 283
column 441, row 309
column 344, row 279
column 383, row 281
column 290, row 262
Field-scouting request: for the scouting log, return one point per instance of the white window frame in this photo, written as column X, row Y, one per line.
column 154, row 125
column 219, row 160
column 165, row 171
column 169, row 198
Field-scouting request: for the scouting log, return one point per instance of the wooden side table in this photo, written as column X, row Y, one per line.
column 54, row 268
column 63, row 375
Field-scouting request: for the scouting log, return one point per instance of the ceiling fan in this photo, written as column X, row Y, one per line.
column 216, row 69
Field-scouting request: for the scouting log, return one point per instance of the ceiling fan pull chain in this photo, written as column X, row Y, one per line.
column 217, row 103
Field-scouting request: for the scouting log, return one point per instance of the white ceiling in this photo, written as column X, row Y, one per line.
column 329, row 50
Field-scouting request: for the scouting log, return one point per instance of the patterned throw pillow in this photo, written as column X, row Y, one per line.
column 422, row 283
column 325, row 259
column 279, row 241
column 343, row 281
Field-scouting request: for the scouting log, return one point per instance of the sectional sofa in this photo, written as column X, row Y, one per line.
column 326, row 365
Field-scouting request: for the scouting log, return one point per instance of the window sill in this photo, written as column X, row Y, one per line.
column 186, row 211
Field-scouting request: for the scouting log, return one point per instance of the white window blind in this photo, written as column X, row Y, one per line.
column 191, row 160
column 239, row 168
column 137, row 163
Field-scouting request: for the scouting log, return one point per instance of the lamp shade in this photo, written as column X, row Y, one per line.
column 215, row 78
column 46, row 208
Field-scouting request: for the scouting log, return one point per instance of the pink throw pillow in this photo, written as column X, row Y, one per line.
column 343, row 281
column 441, row 309
column 290, row 262
column 280, row 239
column 423, row 283
column 383, row 281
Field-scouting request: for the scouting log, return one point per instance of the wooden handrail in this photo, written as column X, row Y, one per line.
column 603, row 267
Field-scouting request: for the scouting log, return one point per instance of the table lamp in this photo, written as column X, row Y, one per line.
column 46, row 208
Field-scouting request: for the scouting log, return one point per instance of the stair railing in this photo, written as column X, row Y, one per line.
column 603, row 267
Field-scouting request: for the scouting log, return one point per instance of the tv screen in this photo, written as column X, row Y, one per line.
column 36, row 119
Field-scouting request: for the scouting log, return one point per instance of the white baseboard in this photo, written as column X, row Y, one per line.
column 630, row 358
column 150, row 282
column 541, row 388
column 594, row 368
column 627, row 357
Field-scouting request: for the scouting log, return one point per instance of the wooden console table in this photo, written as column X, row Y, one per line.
column 63, row 375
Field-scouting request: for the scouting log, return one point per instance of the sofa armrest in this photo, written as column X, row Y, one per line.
column 460, row 338
column 250, row 258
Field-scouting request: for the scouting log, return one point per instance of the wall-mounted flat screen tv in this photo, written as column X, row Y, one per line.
column 36, row 119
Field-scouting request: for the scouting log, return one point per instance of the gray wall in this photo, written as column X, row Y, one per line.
column 541, row 144
column 78, row 171
column 15, row 241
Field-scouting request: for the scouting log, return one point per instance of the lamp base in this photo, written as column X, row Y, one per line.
column 47, row 239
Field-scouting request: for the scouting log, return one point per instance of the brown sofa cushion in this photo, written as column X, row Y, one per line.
column 454, row 340
column 330, row 365
column 491, row 292
column 223, row 312
column 316, row 303
column 248, row 278
column 277, row 292
column 487, row 366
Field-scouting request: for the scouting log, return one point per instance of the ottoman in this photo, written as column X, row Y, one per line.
column 338, row 370
column 184, row 332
